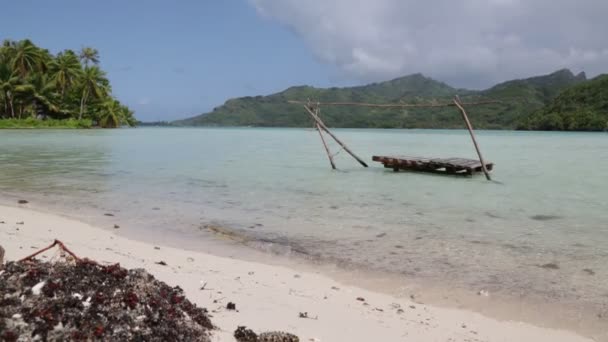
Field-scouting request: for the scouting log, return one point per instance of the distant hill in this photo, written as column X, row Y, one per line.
column 522, row 97
column 583, row 107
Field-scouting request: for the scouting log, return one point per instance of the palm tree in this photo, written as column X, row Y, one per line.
column 40, row 91
column 8, row 82
column 27, row 57
column 89, row 54
column 65, row 69
column 110, row 115
column 128, row 116
column 93, row 83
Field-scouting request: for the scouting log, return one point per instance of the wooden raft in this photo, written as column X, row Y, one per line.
column 456, row 166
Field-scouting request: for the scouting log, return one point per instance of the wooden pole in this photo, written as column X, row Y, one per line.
column 322, row 125
column 470, row 128
column 331, row 158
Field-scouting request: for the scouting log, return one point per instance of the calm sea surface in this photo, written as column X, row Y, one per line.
column 541, row 230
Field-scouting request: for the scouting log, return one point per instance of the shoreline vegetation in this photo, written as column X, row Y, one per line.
column 265, row 297
column 39, row 89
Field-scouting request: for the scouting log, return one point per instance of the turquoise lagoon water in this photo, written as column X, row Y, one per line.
column 540, row 231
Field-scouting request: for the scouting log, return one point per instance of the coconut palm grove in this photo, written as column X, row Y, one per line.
column 63, row 90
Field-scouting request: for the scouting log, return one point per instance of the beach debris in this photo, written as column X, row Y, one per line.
column 242, row 334
column 22, row 201
column 297, row 276
column 2, row 222
column 413, row 307
column 156, row 208
column 156, row 247
column 550, row 266
column 381, row 235
column 335, row 288
column 203, row 287
column 1, row 257
column 20, row 223
column 108, row 214
column 162, row 263
column 231, row 306
column 361, row 299
column 305, row 315
column 277, row 336
column 79, row 299
column 116, row 226
column 586, row 270
column 483, row 293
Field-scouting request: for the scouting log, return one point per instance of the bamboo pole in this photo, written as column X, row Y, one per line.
column 470, row 128
column 331, row 158
column 396, row 105
column 322, row 125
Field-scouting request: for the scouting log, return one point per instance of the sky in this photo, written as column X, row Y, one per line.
column 175, row 59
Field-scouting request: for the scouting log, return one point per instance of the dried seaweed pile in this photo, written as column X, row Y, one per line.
column 86, row 301
column 242, row 334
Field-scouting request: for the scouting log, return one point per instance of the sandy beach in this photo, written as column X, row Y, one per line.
column 266, row 297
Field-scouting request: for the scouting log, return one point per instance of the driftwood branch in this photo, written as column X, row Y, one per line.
column 397, row 105
column 55, row 243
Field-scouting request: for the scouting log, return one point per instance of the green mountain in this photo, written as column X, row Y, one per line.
column 521, row 98
column 583, row 107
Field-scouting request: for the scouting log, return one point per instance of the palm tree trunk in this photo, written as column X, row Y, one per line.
column 82, row 103
column 10, row 103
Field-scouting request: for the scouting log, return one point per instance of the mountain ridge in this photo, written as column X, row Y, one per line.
column 528, row 95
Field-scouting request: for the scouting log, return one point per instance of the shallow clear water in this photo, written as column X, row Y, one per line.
column 273, row 189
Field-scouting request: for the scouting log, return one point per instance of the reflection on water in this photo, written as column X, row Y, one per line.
column 541, row 232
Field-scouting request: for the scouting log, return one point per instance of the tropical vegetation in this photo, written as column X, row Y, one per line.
column 519, row 100
column 583, row 107
column 69, row 90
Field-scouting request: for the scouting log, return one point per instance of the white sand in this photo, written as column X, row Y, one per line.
column 267, row 297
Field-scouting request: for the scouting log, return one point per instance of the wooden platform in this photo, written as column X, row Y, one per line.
column 455, row 166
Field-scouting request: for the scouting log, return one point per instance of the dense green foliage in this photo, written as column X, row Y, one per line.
column 521, row 98
column 583, row 107
column 67, row 90
column 36, row 123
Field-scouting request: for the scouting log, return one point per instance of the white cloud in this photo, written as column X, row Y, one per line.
column 467, row 43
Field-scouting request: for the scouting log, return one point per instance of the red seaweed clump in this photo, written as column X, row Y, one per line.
column 86, row 301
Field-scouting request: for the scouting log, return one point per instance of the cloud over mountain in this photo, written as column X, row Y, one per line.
column 469, row 43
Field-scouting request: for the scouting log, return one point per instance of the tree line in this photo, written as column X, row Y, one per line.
column 38, row 85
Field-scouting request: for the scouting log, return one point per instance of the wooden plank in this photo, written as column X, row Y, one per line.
column 460, row 166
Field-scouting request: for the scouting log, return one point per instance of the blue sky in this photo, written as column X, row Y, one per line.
column 172, row 59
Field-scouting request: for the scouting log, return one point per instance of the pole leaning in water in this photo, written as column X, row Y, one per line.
column 331, row 158
column 322, row 125
column 470, row 128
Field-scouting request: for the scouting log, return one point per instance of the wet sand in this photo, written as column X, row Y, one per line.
column 308, row 304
